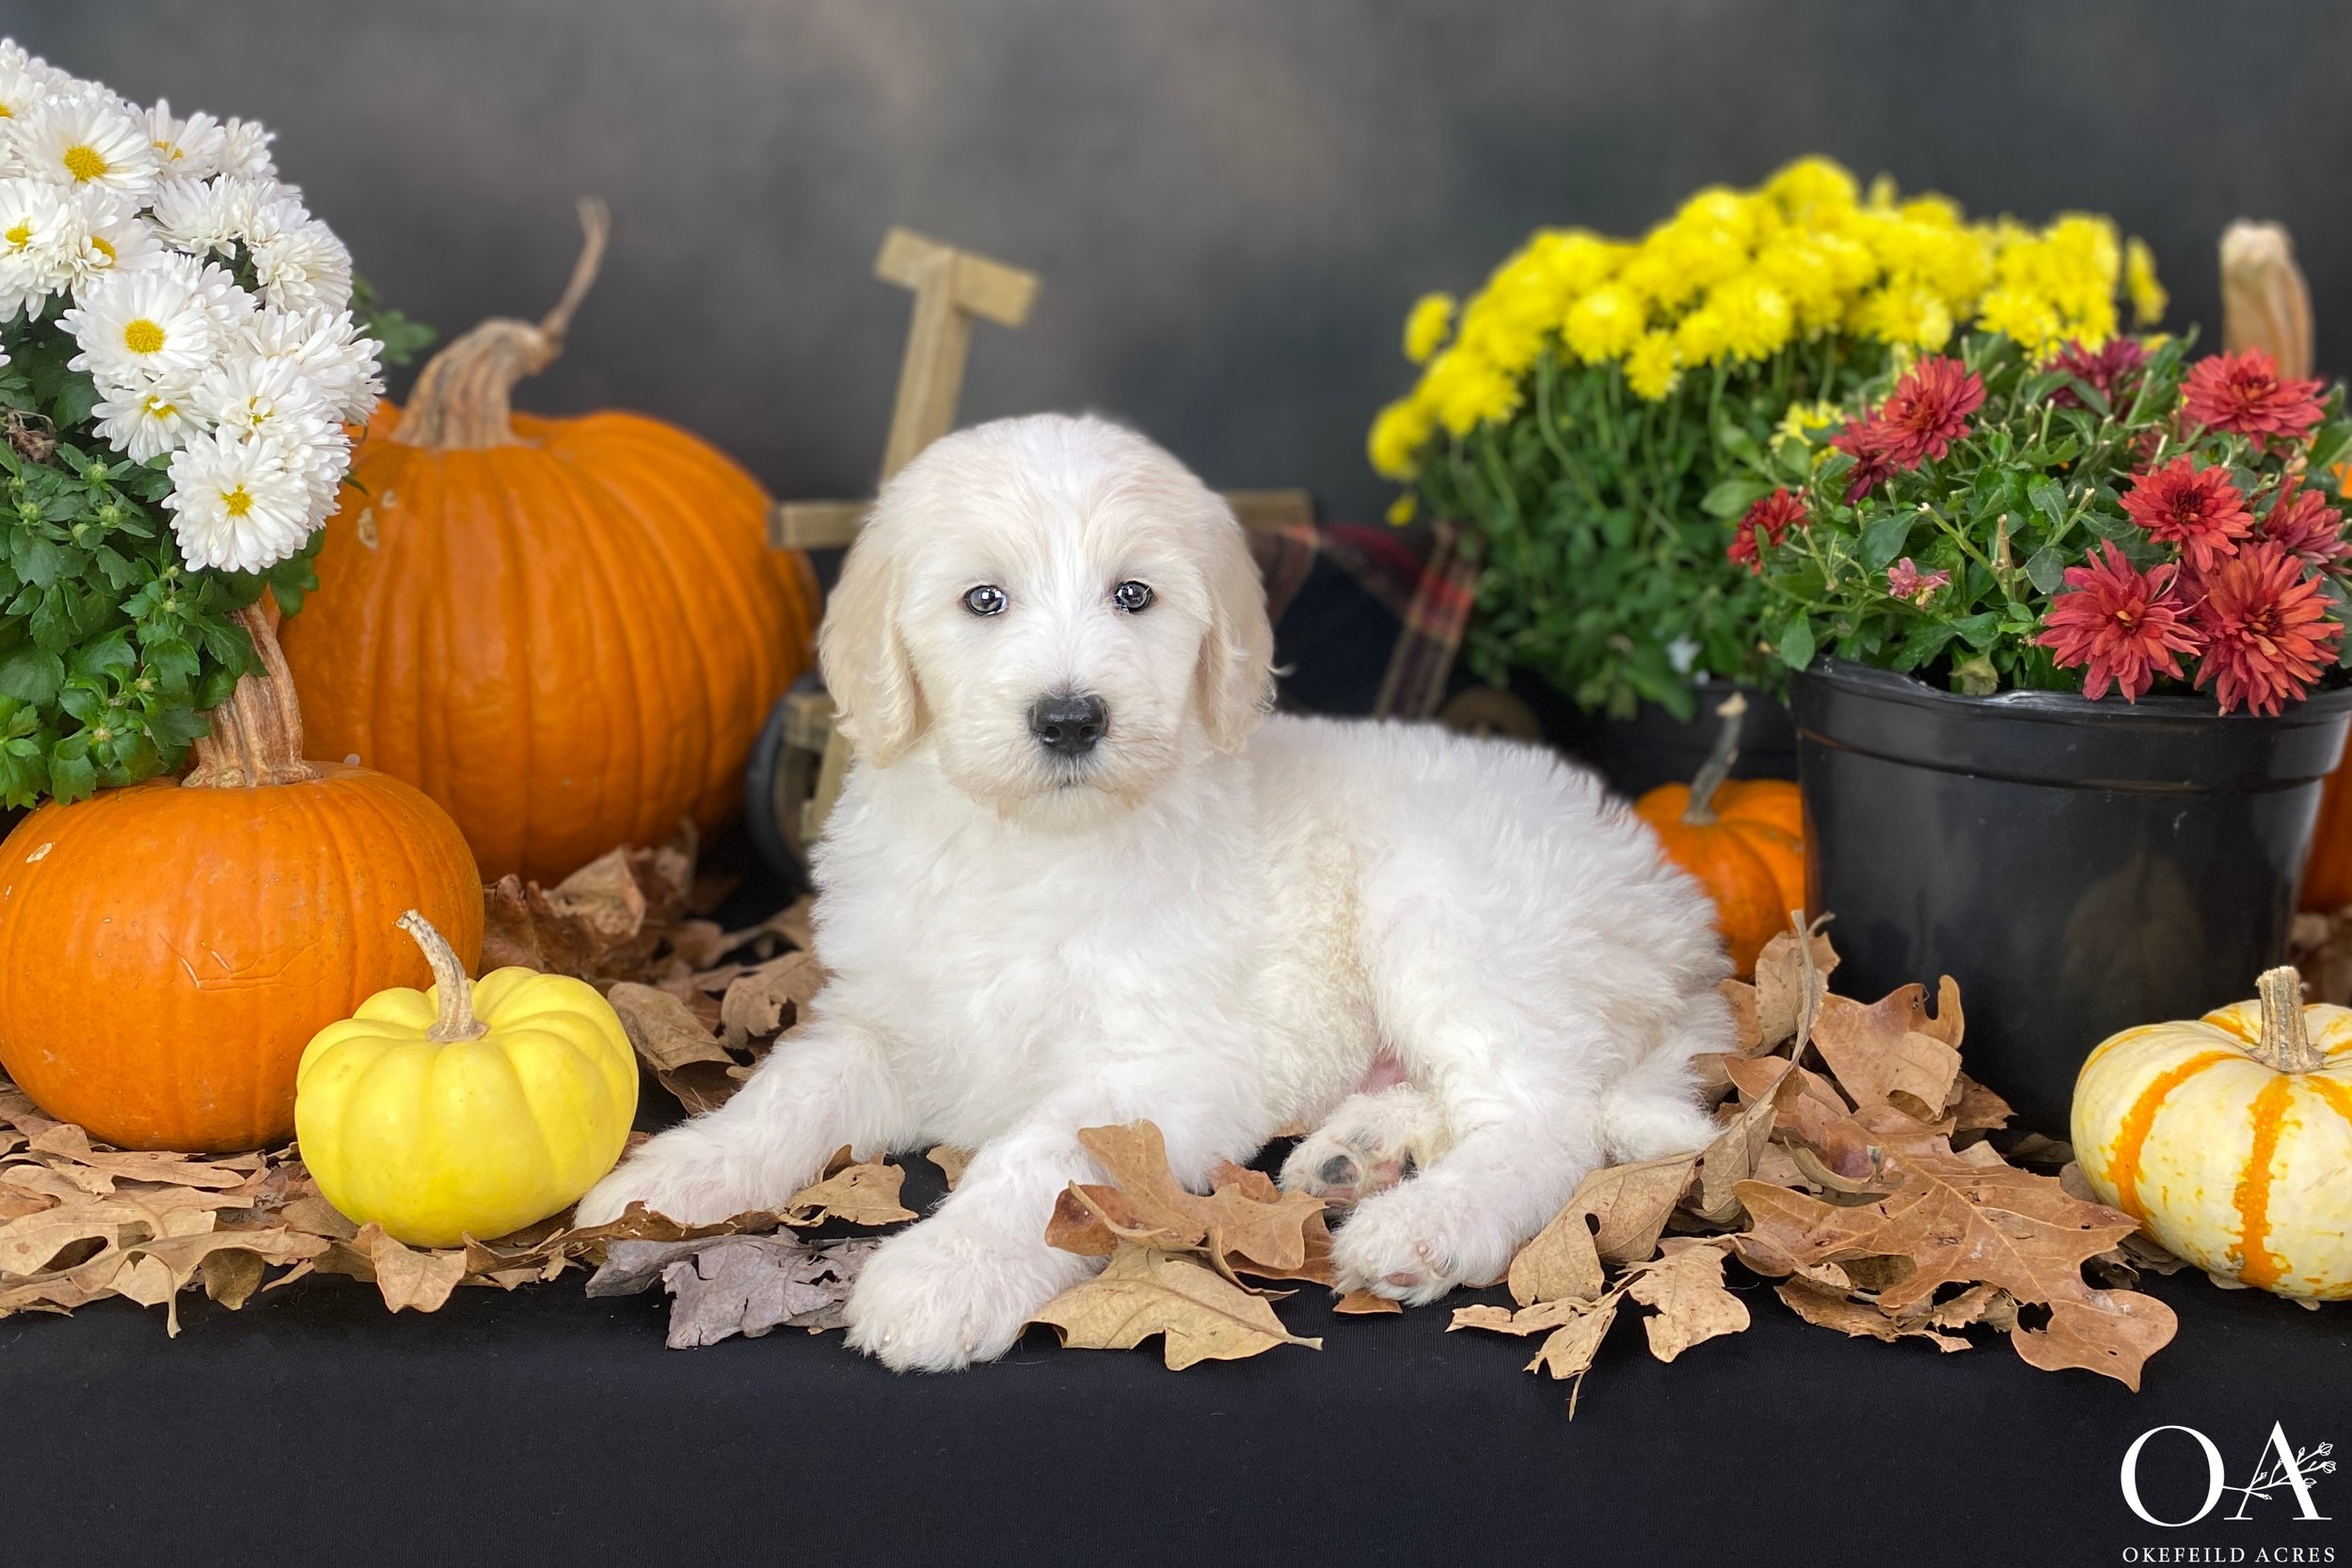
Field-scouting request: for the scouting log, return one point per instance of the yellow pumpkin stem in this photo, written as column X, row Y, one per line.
column 256, row 735
column 463, row 399
column 450, row 984
column 1717, row 768
column 2285, row 1045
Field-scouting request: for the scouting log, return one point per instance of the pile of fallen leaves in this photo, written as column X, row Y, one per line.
column 1852, row 1168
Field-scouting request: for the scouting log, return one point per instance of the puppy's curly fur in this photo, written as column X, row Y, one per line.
column 1213, row 919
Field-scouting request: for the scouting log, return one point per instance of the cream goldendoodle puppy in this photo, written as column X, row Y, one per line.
column 1077, row 876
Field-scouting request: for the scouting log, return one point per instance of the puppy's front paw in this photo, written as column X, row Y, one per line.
column 934, row 1300
column 1417, row 1242
column 687, row 1174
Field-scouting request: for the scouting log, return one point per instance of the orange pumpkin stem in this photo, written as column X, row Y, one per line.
column 256, row 735
column 464, row 397
column 450, row 984
column 1717, row 768
column 2285, row 1045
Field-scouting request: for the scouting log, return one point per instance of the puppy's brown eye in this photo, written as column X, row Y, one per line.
column 1133, row 597
column 987, row 599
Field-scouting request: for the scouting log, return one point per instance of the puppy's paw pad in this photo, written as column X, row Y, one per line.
column 1342, row 1168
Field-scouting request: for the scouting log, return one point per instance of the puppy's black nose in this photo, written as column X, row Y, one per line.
column 1068, row 722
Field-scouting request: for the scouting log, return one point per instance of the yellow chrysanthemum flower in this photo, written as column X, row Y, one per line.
column 1576, row 260
column 2029, row 319
column 1402, row 509
column 1605, row 323
column 1398, row 434
column 1755, row 316
column 1650, row 368
column 1801, row 269
column 1906, row 313
column 2140, row 281
column 1426, row 324
column 1813, row 189
column 1699, row 337
column 1466, row 391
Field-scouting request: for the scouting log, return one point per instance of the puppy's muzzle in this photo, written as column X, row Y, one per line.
column 1068, row 723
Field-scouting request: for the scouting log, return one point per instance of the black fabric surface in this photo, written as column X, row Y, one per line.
column 545, row 1427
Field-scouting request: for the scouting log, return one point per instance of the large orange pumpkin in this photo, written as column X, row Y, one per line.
column 166, row 950
column 568, row 631
column 1743, row 839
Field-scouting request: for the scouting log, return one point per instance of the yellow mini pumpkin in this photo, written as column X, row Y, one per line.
column 473, row 1109
column 2229, row 1137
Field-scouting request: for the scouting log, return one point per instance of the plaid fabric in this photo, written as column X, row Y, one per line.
column 1417, row 573
column 1286, row 553
column 1432, row 631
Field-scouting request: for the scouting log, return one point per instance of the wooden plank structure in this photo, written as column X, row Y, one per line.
column 953, row 288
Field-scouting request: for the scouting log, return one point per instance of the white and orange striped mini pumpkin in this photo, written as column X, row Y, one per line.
column 2230, row 1138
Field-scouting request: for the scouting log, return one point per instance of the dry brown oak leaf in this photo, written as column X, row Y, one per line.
column 1960, row 1223
column 1199, row 1314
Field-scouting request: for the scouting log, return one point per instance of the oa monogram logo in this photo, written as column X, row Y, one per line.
column 2280, row 1465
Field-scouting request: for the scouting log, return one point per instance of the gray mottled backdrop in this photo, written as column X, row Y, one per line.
column 1232, row 201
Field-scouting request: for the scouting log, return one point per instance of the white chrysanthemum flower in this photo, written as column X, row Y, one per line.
column 203, row 216
column 13, row 56
column 297, row 261
column 230, row 306
column 328, row 348
column 37, row 244
column 148, row 324
column 107, row 235
column 143, row 418
column 21, row 90
column 263, row 397
column 86, row 139
column 237, row 502
column 245, row 150
column 185, row 149
column 270, row 398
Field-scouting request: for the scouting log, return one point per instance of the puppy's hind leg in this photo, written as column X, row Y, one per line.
column 830, row 1086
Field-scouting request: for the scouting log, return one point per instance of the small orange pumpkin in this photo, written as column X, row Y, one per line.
column 166, row 950
column 568, row 631
column 1744, row 840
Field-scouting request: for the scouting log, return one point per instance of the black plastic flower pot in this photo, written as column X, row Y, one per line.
column 2078, row 867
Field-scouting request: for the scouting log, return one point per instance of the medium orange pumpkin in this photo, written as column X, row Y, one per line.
column 568, row 631
column 1743, row 839
column 166, row 950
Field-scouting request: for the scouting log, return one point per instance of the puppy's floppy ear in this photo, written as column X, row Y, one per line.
column 867, row 670
column 1236, row 678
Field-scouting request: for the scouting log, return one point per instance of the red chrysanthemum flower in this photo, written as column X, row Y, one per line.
column 2265, row 629
column 1867, row 440
column 1773, row 517
column 2112, row 369
column 2305, row 524
column 2241, row 393
column 2200, row 512
column 2123, row 628
column 1929, row 409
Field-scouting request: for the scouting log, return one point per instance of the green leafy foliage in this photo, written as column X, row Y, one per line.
column 1602, row 520
column 112, row 647
column 402, row 338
